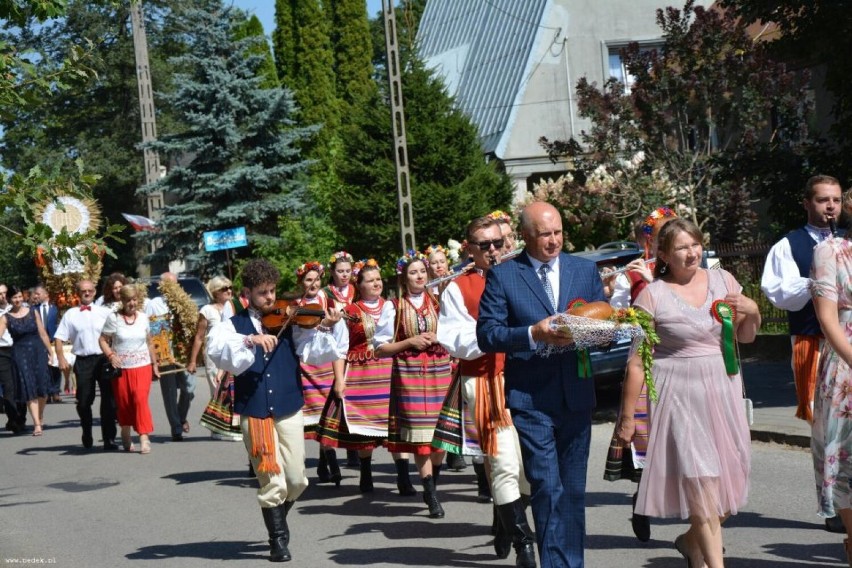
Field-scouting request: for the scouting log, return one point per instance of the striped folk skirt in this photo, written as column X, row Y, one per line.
column 419, row 385
column 317, row 382
column 359, row 421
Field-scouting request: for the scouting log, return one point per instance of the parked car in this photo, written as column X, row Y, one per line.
column 191, row 285
column 608, row 364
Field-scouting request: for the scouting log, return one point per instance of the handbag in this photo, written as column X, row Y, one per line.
column 110, row 372
column 218, row 415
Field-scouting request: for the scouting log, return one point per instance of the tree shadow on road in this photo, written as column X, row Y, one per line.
column 228, row 478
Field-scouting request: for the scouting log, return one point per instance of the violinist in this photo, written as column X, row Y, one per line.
column 268, row 392
column 317, row 380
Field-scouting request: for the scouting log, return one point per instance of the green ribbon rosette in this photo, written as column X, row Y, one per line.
column 726, row 314
column 584, row 360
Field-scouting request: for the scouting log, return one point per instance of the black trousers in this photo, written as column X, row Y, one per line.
column 16, row 412
column 89, row 371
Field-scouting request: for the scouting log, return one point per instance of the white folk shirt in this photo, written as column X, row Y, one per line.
column 6, row 338
column 781, row 282
column 227, row 348
column 456, row 327
column 384, row 332
column 82, row 329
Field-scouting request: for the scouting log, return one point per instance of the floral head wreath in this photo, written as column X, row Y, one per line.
column 307, row 267
column 432, row 249
column 408, row 258
column 341, row 256
column 654, row 218
column 361, row 264
column 500, row 216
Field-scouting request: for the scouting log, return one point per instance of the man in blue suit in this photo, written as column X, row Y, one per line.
column 551, row 405
column 49, row 313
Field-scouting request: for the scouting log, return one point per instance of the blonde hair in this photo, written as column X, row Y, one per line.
column 217, row 283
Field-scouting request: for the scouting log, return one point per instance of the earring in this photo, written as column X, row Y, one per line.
column 664, row 268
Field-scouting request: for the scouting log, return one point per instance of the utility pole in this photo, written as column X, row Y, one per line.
column 146, row 108
column 400, row 143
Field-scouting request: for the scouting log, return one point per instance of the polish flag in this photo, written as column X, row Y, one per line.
column 139, row 222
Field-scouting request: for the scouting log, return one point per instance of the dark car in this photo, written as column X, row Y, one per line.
column 191, row 285
column 608, row 364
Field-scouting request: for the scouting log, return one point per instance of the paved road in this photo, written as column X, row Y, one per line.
column 189, row 504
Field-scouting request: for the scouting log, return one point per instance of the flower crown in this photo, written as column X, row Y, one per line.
column 652, row 219
column 408, row 258
column 308, row 266
column 500, row 216
column 432, row 249
column 341, row 255
column 361, row 264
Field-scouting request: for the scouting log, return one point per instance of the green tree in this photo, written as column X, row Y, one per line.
column 251, row 27
column 353, row 64
column 702, row 110
column 237, row 160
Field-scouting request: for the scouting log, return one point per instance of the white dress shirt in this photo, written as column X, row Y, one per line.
column 456, row 327
column 82, row 329
column 6, row 338
column 553, row 278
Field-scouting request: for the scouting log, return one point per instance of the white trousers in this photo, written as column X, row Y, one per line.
column 276, row 488
column 508, row 481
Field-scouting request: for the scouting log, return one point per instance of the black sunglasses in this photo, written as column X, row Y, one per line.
column 225, row 289
column 485, row 245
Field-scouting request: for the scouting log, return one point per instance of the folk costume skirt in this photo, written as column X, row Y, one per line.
column 317, row 382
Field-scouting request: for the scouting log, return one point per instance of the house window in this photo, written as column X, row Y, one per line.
column 616, row 67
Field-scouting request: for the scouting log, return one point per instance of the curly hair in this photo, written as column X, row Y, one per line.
column 110, row 281
column 259, row 271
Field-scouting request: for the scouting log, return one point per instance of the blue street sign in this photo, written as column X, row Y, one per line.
column 225, row 239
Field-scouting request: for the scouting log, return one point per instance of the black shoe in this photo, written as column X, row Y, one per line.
column 334, row 467
column 87, row 441
column 251, row 472
column 403, row 479
column 365, row 485
column 513, row 517
column 323, row 476
column 177, row 437
column 110, row 447
column 275, row 519
column 430, row 497
column 641, row 523
column 502, row 537
column 455, row 462
column 483, row 488
column 835, row 525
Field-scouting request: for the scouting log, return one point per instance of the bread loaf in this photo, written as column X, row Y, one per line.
column 594, row 310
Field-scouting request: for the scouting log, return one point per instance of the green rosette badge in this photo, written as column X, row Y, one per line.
column 726, row 314
column 584, row 361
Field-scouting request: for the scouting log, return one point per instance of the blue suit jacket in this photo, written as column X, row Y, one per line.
column 51, row 322
column 514, row 299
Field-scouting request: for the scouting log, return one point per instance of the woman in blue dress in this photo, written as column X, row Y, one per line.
column 30, row 353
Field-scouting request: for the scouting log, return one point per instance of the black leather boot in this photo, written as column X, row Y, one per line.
column 275, row 519
column 436, row 473
column 365, row 485
column 403, row 479
column 322, row 468
column 352, row 458
column 502, row 535
column 482, row 486
column 514, row 518
column 333, row 466
column 430, row 497
column 456, row 462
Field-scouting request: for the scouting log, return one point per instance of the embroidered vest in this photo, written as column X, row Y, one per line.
column 270, row 387
column 472, row 285
column 804, row 321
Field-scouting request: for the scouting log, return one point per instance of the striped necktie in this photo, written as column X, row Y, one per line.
column 545, row 281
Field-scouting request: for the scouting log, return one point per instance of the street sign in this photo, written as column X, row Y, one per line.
column 225, row 239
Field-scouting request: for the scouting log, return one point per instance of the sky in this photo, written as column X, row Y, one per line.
column 265, row 11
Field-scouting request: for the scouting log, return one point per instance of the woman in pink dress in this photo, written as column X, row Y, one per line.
column 699, row 459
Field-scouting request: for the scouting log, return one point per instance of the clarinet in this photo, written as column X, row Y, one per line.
column 832, row 226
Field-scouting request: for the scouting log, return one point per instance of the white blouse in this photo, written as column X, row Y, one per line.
column 129, row 340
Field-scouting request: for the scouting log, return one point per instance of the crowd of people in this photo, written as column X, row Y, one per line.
column 473, row 364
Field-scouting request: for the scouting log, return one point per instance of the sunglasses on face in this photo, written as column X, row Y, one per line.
column 485, row 245
column 226, row 289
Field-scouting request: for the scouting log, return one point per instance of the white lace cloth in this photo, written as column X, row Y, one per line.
column 590, row 332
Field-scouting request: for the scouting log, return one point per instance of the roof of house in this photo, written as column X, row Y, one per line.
column 482, row 48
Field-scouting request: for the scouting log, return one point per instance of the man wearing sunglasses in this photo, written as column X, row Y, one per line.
column 81, row 327
column 551, row 406
column 482, row 381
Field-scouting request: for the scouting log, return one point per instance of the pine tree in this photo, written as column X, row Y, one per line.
column 252, row 27
column 284, row 42
column 353, row 65
column 237, row 161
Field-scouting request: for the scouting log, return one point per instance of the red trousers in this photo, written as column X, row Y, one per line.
column 131, row 398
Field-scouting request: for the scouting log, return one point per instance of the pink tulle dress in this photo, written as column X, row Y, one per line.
column 699, row 451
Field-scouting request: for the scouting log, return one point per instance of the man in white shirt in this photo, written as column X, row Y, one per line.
column 16, row 412
column 785, row 283
column 81, row 326
column 176, row 385
column 482, row 385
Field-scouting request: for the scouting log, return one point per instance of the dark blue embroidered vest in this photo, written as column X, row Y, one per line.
column 804, row 321
column 270, row 387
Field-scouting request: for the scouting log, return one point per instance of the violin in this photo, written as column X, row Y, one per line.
column 305, row 316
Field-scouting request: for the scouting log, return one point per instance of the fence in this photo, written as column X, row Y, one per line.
column 746, row 262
